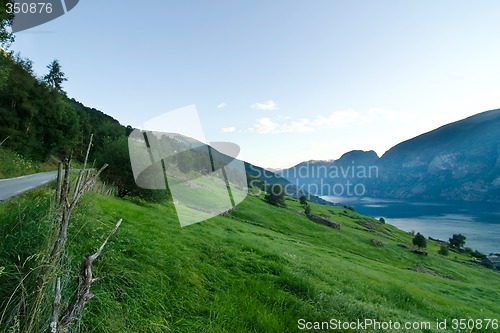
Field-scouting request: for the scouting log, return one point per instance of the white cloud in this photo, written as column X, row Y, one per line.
column 222, row 105
column 336, row 118
column 264, row 126
column 341, row 118
column 267, row 126
column 228, row 129
column 296, row 126
column 266, row 106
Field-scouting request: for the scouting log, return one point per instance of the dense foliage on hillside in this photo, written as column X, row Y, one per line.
column 39, row 121
column 5, row 21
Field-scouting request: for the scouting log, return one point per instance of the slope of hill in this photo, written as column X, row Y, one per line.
column 257, row 268
column 458, row 161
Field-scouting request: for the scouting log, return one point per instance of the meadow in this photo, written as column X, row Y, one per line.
column 257, row 268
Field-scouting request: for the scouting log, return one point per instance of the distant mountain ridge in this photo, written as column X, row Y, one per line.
column 457, row 161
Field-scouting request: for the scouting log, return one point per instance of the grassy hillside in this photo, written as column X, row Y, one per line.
column 257, row 269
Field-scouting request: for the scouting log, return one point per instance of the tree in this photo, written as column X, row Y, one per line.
column 4, row 69
column 6, row 37
column 115, row 153
column 55, row 77
column 457, row 241
column 307, row 210
column 24, row 63
column 303, row 200
column 37, row 119
column 419, row 240
column 381, row 220
column 276, row 195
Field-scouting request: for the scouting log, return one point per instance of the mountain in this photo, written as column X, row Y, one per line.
column 346, row 176
column 458, row 161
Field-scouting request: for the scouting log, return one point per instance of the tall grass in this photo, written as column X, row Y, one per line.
column 25, row 231
column 34, row 250
column 14, row 165
column 258, row 268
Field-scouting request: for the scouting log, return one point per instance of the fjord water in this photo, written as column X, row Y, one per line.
column 478, row 221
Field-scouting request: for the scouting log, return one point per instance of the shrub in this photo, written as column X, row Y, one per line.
column 443, row 250
column 419, row 240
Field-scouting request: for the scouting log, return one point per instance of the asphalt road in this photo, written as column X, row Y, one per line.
column 14, row 186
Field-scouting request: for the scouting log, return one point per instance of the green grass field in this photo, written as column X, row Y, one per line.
column 258, row 268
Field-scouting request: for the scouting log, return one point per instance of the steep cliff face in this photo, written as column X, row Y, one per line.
column 458, row 161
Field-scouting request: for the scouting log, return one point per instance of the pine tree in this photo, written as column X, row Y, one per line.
column 55, row 77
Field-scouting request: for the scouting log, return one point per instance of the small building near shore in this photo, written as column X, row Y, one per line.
column 492, row 260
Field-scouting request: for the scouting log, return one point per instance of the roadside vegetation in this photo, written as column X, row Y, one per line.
column 14, row 165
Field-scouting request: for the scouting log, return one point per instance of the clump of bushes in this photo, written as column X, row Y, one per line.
column 276, row 195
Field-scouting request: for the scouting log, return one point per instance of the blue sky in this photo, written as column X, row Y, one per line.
column 288, row 81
